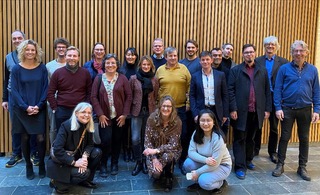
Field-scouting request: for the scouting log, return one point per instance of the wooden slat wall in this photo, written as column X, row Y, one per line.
column 120, row 24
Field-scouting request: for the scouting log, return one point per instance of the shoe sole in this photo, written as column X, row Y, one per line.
column 9, row 166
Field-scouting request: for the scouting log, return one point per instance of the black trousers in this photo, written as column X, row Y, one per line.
column 62, row 114
column 243, row 142
column 303, row 118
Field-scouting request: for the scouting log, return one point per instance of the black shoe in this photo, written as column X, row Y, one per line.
column 103, row 171
column 302, row 171
column 2, row 154
column 193, row 187
column 42, row 171
column 88, row 184
column 29, row 172
column 114, row 169
column 277, row 172
column 220, row 190
column 144, row 167
column 59, row 191
column 274, row 158
column 168, row 185
column 137, row 168
column 15, row 159
column 35, row 159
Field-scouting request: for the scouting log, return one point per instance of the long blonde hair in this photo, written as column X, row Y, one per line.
column 74, row 122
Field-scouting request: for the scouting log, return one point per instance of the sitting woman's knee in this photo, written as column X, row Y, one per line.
column 96, row 152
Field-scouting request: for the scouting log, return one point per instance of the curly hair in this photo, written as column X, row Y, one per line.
column 173, row 115
column 22, row 49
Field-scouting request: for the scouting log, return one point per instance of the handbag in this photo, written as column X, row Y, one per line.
column 70, row 153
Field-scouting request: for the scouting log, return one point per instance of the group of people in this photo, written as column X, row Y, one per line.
column 159, row 110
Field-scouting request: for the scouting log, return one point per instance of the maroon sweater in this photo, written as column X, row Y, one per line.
column 72, row 88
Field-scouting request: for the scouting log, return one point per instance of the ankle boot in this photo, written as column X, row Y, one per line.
column 103, row 170
column 144, row 166
column 29, row 171
column 137, row 168
column 42, row 171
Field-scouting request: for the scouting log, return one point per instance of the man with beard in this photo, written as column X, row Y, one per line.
column 272, row 62
column 250, row 104
column 227, row 50
column 192, row 61
column 60, row 46
column 71, row 85
column 158, row 49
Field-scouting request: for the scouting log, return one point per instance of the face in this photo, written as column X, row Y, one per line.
column 191, row 49
column 227, row 51
column 84, row 116
column 217, row 57
column 206, row 123
column 99, row 51
column 30, row 52
column 111, row 65
column 166, row 108
column 249, row 55
column 299, row 54
column 61, row 49
column 172, row 58
column 270, row 48
column 145, row 66
column 206, row 62
column 72, row 58
column 130, row 57
column 158, row 47
column 17, row 38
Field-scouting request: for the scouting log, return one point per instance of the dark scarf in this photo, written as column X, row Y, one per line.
column 72, row 69
column 145, row 79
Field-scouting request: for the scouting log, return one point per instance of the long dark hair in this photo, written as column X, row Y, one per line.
column 199, row 134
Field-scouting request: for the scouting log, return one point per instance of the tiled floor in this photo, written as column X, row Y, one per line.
column 260, row 181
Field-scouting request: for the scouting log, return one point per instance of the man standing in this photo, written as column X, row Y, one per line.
column 296, row 96
column 272, row 62
column 174, row 80
column 208, row 89
column 227, row 50
column 68, row 86
column 250, row 103
column 11, row 60
column 192, row 61
column 60, row 46
column 158, row 58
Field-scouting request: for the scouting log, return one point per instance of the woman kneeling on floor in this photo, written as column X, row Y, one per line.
column 76, row 135
column 208, row 159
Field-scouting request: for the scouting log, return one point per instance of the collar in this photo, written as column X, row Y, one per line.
column 247, row 66
column 211, row 72
column 272, row 58
column 155, row 56
column 177, row 66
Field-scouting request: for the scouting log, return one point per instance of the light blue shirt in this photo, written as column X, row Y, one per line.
column 208, row 86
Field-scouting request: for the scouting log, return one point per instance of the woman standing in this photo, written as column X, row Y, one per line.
column 208, row 159
column 111, row 99
column 95, row 66
column 29, row 92
column 144, row 86
column 162, row 141
column 76, row 135
column 128, row 68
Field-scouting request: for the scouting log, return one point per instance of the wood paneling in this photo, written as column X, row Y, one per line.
column 135, row 23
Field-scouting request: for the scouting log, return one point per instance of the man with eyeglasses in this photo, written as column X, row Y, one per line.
column 68, row 86
column 296, row 98
column 272, row 62
column 250, row 104
column 158, row 49
column 60, row 46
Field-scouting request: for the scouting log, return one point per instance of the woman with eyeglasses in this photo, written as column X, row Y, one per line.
column 95, row 66
column 128, row 68
column 209, row 162
column 162, row 141
column 76, row 135
column 111, row 99
column 144, row 86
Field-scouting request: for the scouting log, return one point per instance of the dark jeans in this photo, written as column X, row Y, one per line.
column 111, row 142
column 62, row 114
column 243, row 142
column 303, row 118
column 184, row 134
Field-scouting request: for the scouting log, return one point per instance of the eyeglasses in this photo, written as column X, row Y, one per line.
column 158, row 46
column 166, row 106
column 98, row 49
column 206, row 121
column 248, row 52
column 299, row 50
column 111, row 55
column 85, row 113
column 62, row 47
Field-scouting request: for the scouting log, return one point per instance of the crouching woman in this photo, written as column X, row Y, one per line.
column 209, row 162
column 75, row 135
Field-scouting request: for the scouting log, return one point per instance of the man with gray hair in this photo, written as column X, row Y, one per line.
column 296, row 98
column 272, row 63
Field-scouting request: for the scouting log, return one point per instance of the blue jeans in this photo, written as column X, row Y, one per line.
column 138, row 127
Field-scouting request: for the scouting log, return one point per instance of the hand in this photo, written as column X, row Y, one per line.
column 195, row 119
column 194, row 175
column 266, row 115
column 82, row 170
column 81, row 163
column 30, row 110
column 280, row 115
column 157, row 165
column 5, row 106
column 234, row 115
column 315, row 117
column 210, row 161
column 224, row 119
column 121, row 120
column 103, row 120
